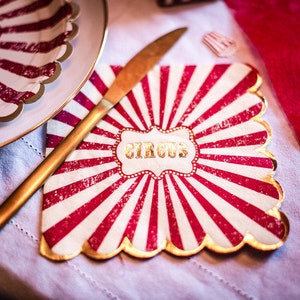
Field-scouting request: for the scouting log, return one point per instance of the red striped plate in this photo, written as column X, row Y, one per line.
column 178, row 165
column 34, row 38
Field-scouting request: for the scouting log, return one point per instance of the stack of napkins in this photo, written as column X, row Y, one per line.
column 178, row 165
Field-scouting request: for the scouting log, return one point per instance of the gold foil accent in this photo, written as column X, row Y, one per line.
column 169, row 149
column 127, row 247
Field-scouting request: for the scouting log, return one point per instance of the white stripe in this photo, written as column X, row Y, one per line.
column 154, row 88
column 14, row 5
column 239, row 105
column 243, row 170
column 141, row 233
column 232, row 76
column 89, row 154
column 55, row 213
column 131, row 112
column 114, row 114
column 28, row 59
column 186, row 233
column 114, row 236
column 76, row 109
column 99, row 139
column 243, row 129
column 239, row 221
column 105, row 125
column 163, row 224
column 57, row 181
column 20, row 83
column 199, row 76
column 58, row 128
column 175, row 77
column 7, row 108
column 91, row 92
column 207, row 223
column 253, row 197
column 248, row 150
column 35, row 16
column 108, row 76
column 75, row 239
column 141, row 101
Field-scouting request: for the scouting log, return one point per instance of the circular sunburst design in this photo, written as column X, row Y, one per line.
column 34, row 39
column 179, row 164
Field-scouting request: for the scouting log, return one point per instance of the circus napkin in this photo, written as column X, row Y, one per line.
column 178, row 165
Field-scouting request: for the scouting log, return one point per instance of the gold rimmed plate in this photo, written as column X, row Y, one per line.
column 86, row 49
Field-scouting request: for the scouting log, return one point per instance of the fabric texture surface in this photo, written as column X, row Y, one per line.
column 246, row 274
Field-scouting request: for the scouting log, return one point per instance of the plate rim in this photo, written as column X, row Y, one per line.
column 99, row 51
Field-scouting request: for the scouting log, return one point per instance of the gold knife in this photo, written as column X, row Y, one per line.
column 129, row 76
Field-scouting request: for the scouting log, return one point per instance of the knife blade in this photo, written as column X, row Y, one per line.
column 127, row 78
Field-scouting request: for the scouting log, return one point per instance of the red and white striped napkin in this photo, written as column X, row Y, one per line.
column 178, row 165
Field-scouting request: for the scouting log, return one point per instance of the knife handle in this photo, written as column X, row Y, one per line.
column 49, row 165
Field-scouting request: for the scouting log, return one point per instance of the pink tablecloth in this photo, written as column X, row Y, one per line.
column 247, row 274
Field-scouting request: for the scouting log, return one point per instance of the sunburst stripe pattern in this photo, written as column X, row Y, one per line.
column 228, row 195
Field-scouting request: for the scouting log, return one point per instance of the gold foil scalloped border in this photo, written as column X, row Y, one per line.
column 58, row 69
column 127, row 247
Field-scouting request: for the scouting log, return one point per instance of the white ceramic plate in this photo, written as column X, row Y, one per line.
column 87, row 47
column 34, row 40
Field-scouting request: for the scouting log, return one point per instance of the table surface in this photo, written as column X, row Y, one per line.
column 246, row 274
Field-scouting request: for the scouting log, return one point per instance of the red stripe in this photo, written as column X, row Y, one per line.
column 94, row 146
column 132, row 224
column 67, row 118
column 232, row 121
column 136, row 108
column 260, row 162
column 26, row 70
column 41, row 47
column 175, row 237
column 10, row 95
column 184, row 81
column 5, row 2
column 104, row 133
column 259, row 186
column 24, row 10
column 147, row 94
column 257, row 138
column 120, row 109
column 63, row 193
column 84, row 101
column 240, row 89
column 225, row 226
column 54, row 234
column 61, row 14
column 215, row 74
column 268, row 222
column 191, row 216
column 113, row 122
column 164, row 78
column 116, row 69
column 99, row 84
column 69, row 166
column 153, row 222
column 53, row 140
column 101, row 231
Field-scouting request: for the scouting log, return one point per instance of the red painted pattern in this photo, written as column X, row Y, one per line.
column 166, row 192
